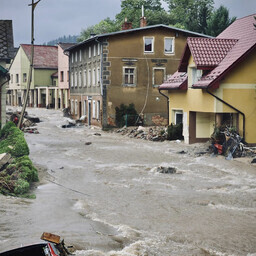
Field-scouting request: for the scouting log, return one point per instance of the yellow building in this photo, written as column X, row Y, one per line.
column 216, row 84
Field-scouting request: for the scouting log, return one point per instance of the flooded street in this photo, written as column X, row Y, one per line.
column 107, row 198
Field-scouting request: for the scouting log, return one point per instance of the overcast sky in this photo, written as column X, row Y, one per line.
column 56, row 18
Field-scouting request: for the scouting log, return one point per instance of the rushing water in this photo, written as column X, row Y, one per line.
column 107, row 198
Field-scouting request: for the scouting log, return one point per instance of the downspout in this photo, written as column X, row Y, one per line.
column 232, row 108
column 168, row 103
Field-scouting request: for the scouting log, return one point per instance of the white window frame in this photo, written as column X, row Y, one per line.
column 85, row 107
column 76, row 106
column 134, row 77
column 153, row 75
column 85, row 78
column 80, row 55
column 98, row 48
column 98, row 110
column 76, row 79
column 89, row 77
column 94, row 77
column 196, row 75
column 173, row 44
column 98, row 76
column 94, row 50
column 90, row 51
column 144, row 44
column 80, row 79
column 175, row 113
column 72, row 79
column 94, row 109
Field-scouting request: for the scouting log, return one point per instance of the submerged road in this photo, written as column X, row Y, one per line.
column 103, row 194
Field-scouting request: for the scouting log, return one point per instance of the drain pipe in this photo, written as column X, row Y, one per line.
column 232, row 108
column 168, row 103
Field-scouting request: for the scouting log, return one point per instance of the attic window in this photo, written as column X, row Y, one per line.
column 196, row 75
column 169, row 45
column 148, row 44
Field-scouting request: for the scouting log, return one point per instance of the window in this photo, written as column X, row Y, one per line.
column 11, row 78
column 196, row 75
column 72, row 79
column 61, row 76
column 129, row 76
column 98, row 109
column 24, row 77
column 94, row 50
column 94, row 77
column 76, row 57
column 178, row 116
column 72, row 106
column 169, row 45
column 72, row 57
column 76, row 79
column 80, row 79
column 67, row 75
column 76, row 105
column 148, row 44
column 98, row 76
column 80, row 55
column 89, row 78
column 158, row 76
column 85, row 78
column 98, row 48
column 17, row 78
column 90, row 52
column 93, row 109
column 84, row 109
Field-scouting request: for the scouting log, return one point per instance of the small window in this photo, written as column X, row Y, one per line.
column 67, row 75
column 72, row 79
column 80, row 55
column 24, row 77
column 17, row 78
column 98, row 76
column 72, row 57
column 178, row 117
column 98, row 109
column 93, row 109
column 196, row 75
column 94, row 50
column 11, row 78
column 129, row 76
column 89, row 78
column 76, row 57
column 80, row 79
column 76, row 106
column 85, row 77
column 98, row 48
column 94, row 77
column 90, row 52
column 61, row 76
column 169, row 45
column 72, row 106
column 76, row 79
column 148, row 44
column 84, row 110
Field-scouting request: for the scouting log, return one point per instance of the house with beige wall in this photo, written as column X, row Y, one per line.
column 43, row 90
column 216, row 84
column 124, row 67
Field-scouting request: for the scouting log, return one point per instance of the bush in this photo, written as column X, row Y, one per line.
column 174, row 132
column 126, row 115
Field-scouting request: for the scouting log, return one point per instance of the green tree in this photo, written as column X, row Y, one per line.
column 105, row 26
column 219, row 21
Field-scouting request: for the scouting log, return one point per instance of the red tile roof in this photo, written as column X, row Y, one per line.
column 177, row 81
column 45, row 57
column 209, row 52
column 218, row 55
column 244, row 32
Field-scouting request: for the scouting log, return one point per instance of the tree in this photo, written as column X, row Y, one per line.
column 219, row 21
column 190, row 14
column 105, row 26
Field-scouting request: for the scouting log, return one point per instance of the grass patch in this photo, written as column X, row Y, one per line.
column 17, row 176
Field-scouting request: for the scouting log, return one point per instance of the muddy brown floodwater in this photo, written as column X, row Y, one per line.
column 107, row 198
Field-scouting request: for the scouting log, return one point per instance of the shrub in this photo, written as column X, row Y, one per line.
column 21, row 187
column 175, row 132
column 126, row 115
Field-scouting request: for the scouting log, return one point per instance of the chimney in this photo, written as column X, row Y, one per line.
column 126, row 25
column 143, row 20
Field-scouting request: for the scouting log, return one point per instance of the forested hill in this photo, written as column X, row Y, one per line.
column 63, row 39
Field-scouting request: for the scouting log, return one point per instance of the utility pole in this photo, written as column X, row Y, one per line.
column 33, row 6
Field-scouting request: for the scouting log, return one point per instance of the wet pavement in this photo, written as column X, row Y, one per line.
column 105, row 196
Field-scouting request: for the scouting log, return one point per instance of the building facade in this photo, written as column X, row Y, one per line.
column 215, row 84
column 122, row 68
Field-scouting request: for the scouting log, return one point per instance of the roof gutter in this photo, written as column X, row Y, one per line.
column 168, row 103
column 224, row 102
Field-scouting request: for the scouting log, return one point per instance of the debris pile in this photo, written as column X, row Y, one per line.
column 28, row 123
column 154, row 133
